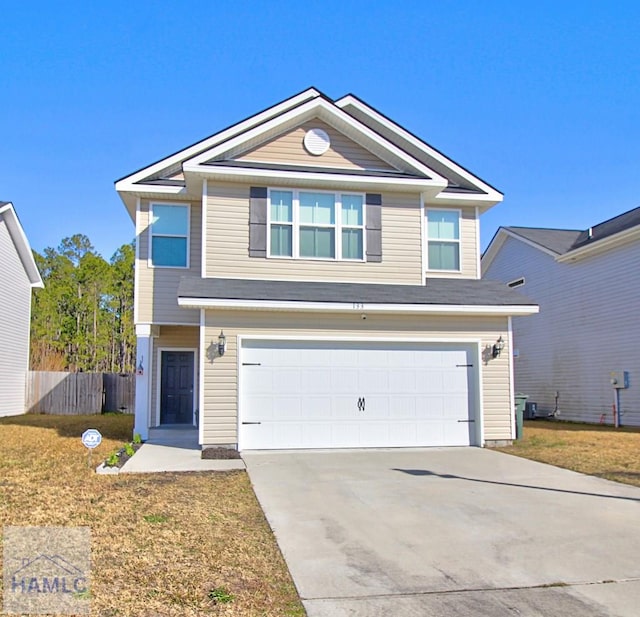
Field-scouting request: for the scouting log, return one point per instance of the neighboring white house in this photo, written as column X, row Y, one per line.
column 587, row 284
column 18, row 276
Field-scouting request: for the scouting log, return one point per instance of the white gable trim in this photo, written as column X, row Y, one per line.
column 211, row 141
column 350, row 100
column 8, row 214
column 318, row 107
column 602, row 245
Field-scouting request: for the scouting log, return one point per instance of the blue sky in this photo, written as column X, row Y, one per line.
column 541, row 99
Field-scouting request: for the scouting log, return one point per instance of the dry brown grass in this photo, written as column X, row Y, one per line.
column 596, row 450
column 160, row 542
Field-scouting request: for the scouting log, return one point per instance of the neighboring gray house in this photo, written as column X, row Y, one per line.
column 18, row 276
column 587, row 284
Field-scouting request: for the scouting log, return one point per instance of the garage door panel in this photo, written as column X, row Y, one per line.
column 344, row 380
column 373, row 380
column 305, row 394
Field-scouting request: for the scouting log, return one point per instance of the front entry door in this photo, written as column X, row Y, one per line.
column 176, row 387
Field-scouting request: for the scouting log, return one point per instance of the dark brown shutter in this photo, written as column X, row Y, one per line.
column 258, row 221
column 374, row 227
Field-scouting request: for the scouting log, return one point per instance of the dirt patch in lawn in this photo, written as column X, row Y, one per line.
column 162, row 544
column 220, row 453
column 596, row 450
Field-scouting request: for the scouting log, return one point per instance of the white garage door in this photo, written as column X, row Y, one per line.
column 332, row 394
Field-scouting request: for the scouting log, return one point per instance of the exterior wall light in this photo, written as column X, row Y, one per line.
column 222, row 343
column 497, row 348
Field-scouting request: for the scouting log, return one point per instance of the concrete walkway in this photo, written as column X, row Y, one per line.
column 175, row 450
column 450, row 532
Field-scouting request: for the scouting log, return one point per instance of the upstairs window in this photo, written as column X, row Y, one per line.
column 169, row 235
column 443, row 240
column 316, row 225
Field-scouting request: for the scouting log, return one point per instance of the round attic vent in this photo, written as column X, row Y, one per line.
column 316, row 141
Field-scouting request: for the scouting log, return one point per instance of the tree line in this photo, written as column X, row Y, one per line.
column 82, row 320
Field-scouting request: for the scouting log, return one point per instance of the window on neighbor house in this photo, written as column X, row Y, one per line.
column 443, row 240
column 170, row 235
column 316, row 225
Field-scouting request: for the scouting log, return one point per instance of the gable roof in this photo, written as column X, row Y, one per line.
column 557, row 240
column 420, row 167
column 8, row 214
column 568, row 244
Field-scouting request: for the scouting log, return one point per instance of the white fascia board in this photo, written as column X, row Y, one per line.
column 8, row 213
column 153, row 189
column 601, row 245
column 211, row 141
column 131, row 192
column 428, row 187
column 418, row 143
column 321, row 106
column 482, row 201
column 349, row 307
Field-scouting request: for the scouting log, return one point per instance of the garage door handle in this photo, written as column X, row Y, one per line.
column 466, row 420
column 252, row 423
column 464, row 365
column 361, row 403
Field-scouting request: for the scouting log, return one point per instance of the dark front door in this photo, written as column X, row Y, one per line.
column 176, row 388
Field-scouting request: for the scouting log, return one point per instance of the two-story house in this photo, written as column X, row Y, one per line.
column 587, row 284
column 310, row 278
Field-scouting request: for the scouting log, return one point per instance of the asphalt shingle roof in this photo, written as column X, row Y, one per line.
column 436, row 291
column 562, row 241
column 557, row 240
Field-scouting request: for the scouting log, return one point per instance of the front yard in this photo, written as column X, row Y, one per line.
column 596, row 450
column 162, row 545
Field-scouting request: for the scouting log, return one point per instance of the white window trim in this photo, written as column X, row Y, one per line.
column 337, row 226
column 188, row 235
column 457, row 241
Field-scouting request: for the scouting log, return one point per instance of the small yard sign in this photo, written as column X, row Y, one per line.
column 91, row 438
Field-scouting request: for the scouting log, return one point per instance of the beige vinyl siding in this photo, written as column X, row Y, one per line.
column 221, row 376
column 468, row 245
column 171, row 337
column 157, row 292
column 15, row 303
column 228, row 243
column 587, row 327
column 343, row 152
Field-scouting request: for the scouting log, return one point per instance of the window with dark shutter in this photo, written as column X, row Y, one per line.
column 258, row 221
column 374, row 227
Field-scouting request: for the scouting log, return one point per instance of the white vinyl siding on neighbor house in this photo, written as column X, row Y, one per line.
column 315, row 225
column 220, row 422
column 227, row 244
column 157, row 288
column 15, row 303
column 586, row 328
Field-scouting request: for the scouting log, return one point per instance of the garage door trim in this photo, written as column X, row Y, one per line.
column 474, row 343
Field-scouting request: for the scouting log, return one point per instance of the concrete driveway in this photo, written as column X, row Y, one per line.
column 454, row 531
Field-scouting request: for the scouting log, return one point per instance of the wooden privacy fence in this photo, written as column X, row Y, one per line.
column 63, row 393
